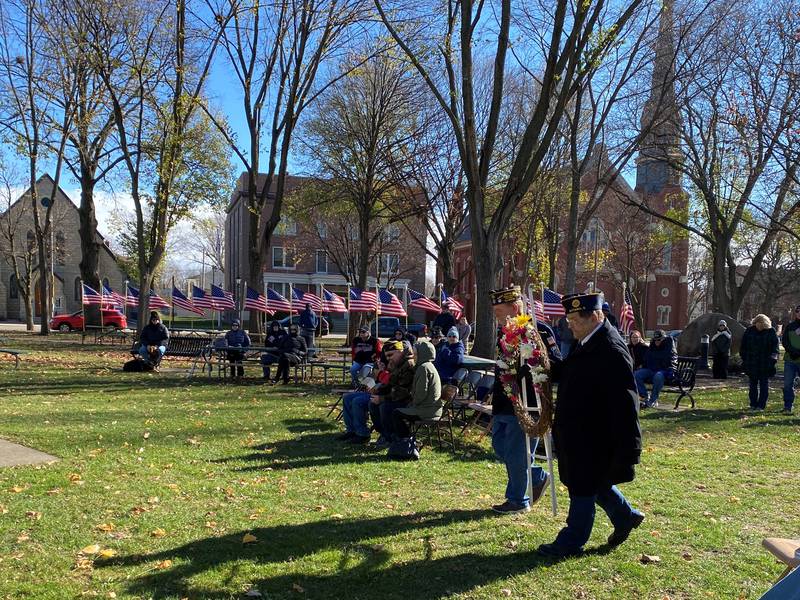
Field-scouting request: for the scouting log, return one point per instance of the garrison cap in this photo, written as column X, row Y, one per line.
column 577, row 302
column 506, row 295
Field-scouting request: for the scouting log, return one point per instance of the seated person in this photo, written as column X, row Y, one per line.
column 660, row 364
column 237, row 338
column 153, row 340
column 426, row 398
column 293, row 349
column 356, row 406
column 449, row 356
column 396, row 394
column 364, row 350
column 275, row 336
column 638, row 348
column 437, row 338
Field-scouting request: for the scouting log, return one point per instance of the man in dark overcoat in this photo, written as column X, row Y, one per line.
column 596, row 427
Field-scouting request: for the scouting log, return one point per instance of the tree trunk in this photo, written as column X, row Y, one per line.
column 27, row 298
column 44, row 289
column 721, row 300
column 445, row 260
column 90, row 248
column 573, row 237
column 486, row 258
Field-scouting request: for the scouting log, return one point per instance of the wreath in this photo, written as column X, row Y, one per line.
column 520, row 344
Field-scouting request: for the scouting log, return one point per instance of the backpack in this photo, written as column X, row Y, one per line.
column 403, row 449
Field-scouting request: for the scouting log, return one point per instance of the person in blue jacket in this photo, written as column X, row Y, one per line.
column 237, row 342
column 660, row 364
column 308, row 325
column 449, row 357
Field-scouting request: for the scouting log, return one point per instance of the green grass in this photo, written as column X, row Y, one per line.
column 208, row 463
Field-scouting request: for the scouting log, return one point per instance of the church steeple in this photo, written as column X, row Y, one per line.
column 660, row 150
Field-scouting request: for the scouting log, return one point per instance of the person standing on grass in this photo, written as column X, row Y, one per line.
column 596, row 427
column 791, row 360
column 153, row 341
column 364, row 350
column 464, row 329
column 308, row 325
column 720, row 350
column 237, row 342
column 759, row 352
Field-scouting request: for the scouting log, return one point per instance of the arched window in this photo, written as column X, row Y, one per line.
column 61, row 248
column 78, row 289
column 106, row 283
column 31, row 240
column 13, row 287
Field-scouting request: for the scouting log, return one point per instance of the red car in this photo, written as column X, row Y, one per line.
column 111, row 318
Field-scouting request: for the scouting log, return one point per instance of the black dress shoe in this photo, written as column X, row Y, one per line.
column 621, row 534
column 557, row 551
column 361, row 440
column 347, row 435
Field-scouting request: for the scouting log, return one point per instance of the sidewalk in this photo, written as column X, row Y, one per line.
column 12, row 455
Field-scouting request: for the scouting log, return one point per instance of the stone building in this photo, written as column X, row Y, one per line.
column 64, row 251
column 299, row 254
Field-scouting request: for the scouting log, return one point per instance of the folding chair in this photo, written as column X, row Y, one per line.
column 481, row 404
column 465, row 396
column 445, row 421
column 786, row 551
column 458, row 377
column 365, row 372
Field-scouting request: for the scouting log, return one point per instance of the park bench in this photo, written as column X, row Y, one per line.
column 326, row 366
column 15, row 353
column 190, row 347
column 682, row 383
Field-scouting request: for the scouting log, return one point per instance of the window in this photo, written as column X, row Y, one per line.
column 106, row 283
column 61, row 248
column 78, row 289
column 321, row 261
column 281, row 288
column 13, row 287
column 666, row 257
column 594, row 232
column 282, row 258
column 663, row 314
column 391, row 233
column 391, row 263
column 287, row 226
column 322, row 230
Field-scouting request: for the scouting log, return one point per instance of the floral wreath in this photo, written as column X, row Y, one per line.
column 520, row 344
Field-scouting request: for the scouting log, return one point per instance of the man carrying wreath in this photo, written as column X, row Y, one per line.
column 596, row 428
column 508, row 436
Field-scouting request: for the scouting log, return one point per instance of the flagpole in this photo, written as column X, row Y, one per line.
column 291, row 294
column 172, row 306
column 377, row 306
column 83, row 308
column 541, row 287
column 407, row 309
column 125, row 304
column 348, row 312
column 190, row 297
column 102, row 289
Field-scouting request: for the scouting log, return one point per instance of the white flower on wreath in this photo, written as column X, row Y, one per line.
column 539, row 378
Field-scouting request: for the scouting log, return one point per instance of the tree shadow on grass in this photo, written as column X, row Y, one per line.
column 364, row 569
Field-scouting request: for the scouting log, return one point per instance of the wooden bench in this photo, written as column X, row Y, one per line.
column 682, row 383
column 190, row 347
column 345, row 369
column 15, row 353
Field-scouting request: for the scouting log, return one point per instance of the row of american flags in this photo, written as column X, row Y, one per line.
column 218, row 299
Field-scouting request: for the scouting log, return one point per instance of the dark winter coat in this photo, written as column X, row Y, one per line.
column 596, row 428
column 791, row 341
column 154, row 335
column 721, row 343
column 759, row 352
column 448, row 360
column 237, row 337
column 364, row 351
column 401, row 383
column 294, row 348
column 638, row 353
column 662, row 357
column 445, row 321
column 308, row 320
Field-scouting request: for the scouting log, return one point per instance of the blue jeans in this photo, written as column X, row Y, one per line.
column 386, row 424
column 759, row 392
column 354, row 369
column 580, row 518
column 354, row 412
column 508, row 441
column 643, row 376
column 790, row 371
column 146, row 355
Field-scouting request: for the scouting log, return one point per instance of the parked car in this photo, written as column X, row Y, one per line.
column 323, row 327
column 111, row 318
column 674, row 333
column 388, row 325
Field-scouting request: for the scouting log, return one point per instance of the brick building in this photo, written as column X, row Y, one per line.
column 65, row 251
column 299, row 254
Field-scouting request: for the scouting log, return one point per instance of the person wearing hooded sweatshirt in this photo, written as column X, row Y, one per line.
column 293, row 350
column 275, row 337
column 426, row 393
column 236, row 338
column 791, row 360
column 153, row 340
column 449, row 357
column 308, row 325
column 720, row 350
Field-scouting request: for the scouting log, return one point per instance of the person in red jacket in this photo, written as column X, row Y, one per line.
column 364, row 351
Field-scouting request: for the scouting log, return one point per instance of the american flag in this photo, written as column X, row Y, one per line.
column 255, row 301
column 418, row 300
column 538, row 311
column 362, row 301
column 112, row 297
column 181, row 301
column 390, row 304
column 454, row 305
column 276, row 302
column 157, row 301
column 626, row 317
column 132, row 296
column 222, row 300
column 552, row 303
column 301, row 298
column 90, row 295
column 200, row 299
column 332, row 303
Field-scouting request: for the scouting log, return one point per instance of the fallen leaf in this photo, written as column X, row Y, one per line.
column 146, row 434
column 93, row 549
column 24, row 537
column 53, row 492
column 153, row 500
column 298, row 588
column 16, row 489
column 107, row 553
column 104, row 527
column 74, row 477
column 164, row 564
column 506, row 592
column 687, row 556
column 3, row 509
column 158, row 532
column 646, row 559
column 249, row 538
column 32, row 514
